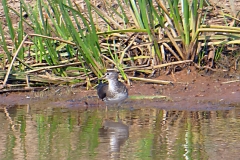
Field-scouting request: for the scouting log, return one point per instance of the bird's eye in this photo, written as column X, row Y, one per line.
column 107, row 74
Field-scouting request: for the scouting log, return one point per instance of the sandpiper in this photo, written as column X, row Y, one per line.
column 115, row 92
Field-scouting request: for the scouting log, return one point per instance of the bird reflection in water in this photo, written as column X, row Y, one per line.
column 116, row 134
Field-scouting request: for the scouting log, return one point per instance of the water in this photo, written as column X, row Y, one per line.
column 29, row 132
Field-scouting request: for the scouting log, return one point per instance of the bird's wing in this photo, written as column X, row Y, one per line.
column 101, row 90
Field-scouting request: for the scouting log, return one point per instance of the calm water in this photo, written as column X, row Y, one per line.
column 29, row 132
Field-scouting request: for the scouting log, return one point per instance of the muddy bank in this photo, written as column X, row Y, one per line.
column 192, row 90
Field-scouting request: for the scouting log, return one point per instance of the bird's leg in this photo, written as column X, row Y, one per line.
column 106, row 109
column 118, row 107
column 98, row 104
column 118, row 119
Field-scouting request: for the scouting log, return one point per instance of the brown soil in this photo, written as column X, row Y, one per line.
column 188, row 92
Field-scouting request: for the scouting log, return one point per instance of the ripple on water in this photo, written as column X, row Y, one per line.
column 29, row 132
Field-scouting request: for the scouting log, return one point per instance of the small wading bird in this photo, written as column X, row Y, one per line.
column 115, row 92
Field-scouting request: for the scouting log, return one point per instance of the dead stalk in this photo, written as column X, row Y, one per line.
column 15, row 55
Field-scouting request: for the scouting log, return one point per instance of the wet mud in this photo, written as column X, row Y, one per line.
column 189, row 91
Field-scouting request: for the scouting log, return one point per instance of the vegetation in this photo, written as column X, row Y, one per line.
column 45, row 132
column 64, row 42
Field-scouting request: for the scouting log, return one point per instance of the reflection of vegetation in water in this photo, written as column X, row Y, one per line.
column 61, row 133
column 59, row 130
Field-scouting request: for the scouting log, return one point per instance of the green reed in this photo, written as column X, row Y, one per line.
column 67, row 40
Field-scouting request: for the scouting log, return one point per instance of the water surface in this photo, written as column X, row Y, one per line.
column 29, row 132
